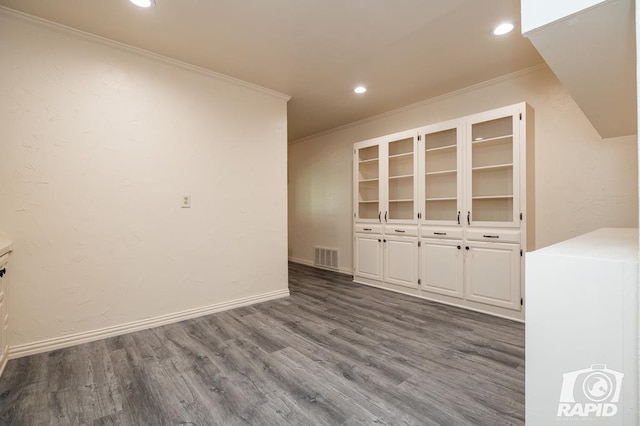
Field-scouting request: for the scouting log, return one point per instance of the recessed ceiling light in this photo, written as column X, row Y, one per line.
column 503, row 29
column 143, row 3
column 360, row 89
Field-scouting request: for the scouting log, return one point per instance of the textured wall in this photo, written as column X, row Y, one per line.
column 97, row 146
column 583, row 182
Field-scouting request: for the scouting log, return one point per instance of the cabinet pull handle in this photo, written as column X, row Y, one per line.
column 384, row 241
column 367, row 229
column 458, row 218
column 385, row 217
column 466, row 248
column 469, row 218
column 379, row 213
column 379, row 240
column 459, row 247
column 2, row 272
column 439, row 233
column 400, row 230
column 491, row 236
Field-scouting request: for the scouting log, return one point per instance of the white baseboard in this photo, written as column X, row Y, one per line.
column 103, row 333
column 345, row 271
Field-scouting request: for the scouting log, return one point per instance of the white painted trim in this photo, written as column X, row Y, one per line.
column 132, row 49
column 345, row 271
column 103, row 333
column 410, row 107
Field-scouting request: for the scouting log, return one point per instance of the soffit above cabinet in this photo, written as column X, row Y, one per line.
column 593, row 54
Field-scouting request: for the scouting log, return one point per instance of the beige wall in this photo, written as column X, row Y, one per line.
column 582, row 181
column 98, row 144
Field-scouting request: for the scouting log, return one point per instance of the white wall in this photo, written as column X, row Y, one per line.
column 97, row 144
column 582, row 181
column 537, row 13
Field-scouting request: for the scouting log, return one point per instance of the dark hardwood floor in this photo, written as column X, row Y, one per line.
column 333, row 353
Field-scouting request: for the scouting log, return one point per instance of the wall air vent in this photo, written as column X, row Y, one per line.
column 326, row 258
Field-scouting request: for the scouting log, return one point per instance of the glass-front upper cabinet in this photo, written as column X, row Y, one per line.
column 442, row 175
column 385, row 179
column 492, row 158
column 401, row 180
column 367, row 190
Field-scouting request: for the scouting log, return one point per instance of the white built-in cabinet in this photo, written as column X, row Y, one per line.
column 441, row 212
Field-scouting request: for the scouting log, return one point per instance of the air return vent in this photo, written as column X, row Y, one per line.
column 326, row 258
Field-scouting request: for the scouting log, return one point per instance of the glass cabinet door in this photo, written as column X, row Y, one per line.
column 367, row 163
column 493, row 155
column 442, row 185
column 401, row 175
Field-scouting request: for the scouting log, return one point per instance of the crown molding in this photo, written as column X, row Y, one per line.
column 136, row 50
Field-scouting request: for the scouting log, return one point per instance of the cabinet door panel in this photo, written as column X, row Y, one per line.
column 367, row 177
column 401, row 178
column 401, row 261
column 441, row 263
column 368, row 257
column 492, row 274
column 493, row 170
column 441, row 163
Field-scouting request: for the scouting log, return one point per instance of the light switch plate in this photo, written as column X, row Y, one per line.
column 186, row 201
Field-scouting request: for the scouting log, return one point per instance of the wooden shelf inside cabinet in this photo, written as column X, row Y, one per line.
column 496, row 139
column 373, row 160
column 406, row 200
column 368, row 201
column 441, row 199
column 441, row 172
column 402, row 155
column 491, row 197
column 493, row 167
column 401, row 177
column 368, row 180
column 441, row 148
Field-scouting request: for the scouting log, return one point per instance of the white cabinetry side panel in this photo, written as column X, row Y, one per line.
column 582, row 316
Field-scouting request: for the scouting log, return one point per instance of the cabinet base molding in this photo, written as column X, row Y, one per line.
column 445, row 300
column 47, row 345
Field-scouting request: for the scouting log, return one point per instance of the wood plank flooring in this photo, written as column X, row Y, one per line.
column 333, row 353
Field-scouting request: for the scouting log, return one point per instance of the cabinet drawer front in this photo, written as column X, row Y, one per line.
column 363, row 228
column 442, row 233
column 494, row 235
column 401, row 231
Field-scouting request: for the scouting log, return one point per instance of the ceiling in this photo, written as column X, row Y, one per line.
column 317, row 51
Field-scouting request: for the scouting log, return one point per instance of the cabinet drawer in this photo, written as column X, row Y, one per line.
column 401, row 231
column 494, row 235
column 368, row 229
column 441, row 232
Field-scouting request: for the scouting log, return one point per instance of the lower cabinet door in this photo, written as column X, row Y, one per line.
column 492, row 274
column 401, row 261
column 368, row 256
column 441, row 267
